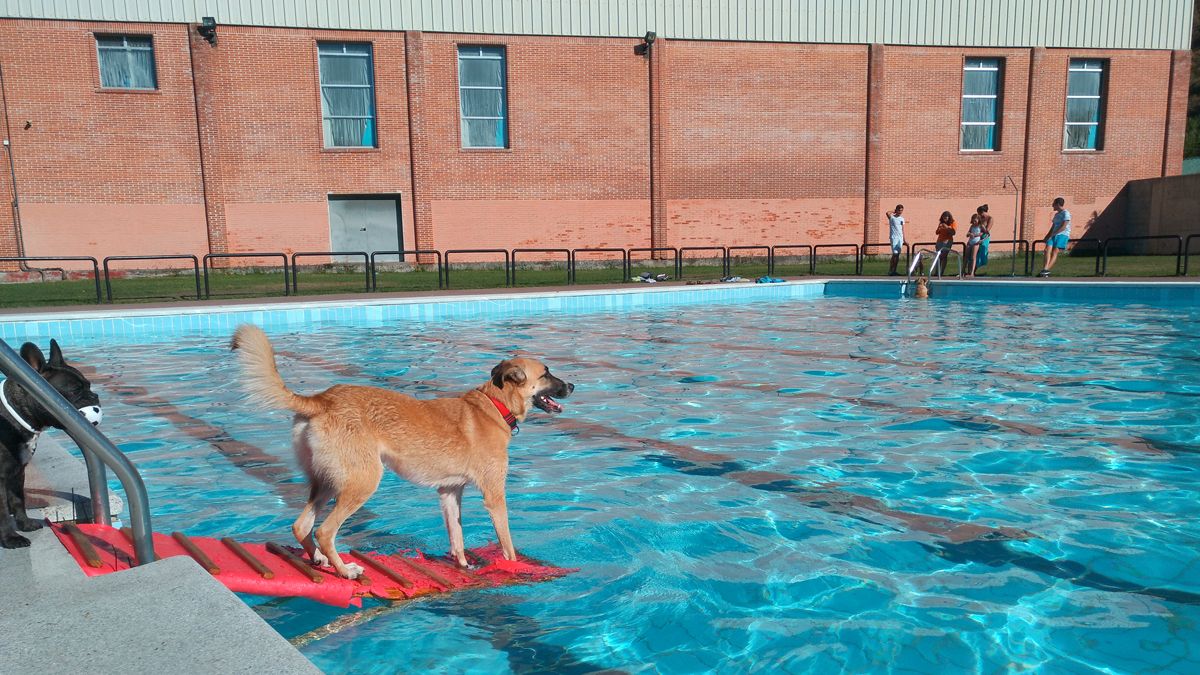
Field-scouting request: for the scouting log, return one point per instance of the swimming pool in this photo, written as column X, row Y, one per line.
column 809, row 485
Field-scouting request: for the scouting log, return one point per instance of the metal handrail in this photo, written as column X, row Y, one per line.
column 1187, row 247
column 515, row 251
column 776, row 247
column 1174, row 237
column 812, row 260
column 194, row 259
column 724, row 257
column 862, row 256
column 729, row 257
column 1071, row 245
column 71, row 258
column 98, row 452
column 677, row 273
column 208, row 257
column 933, row 263
column 475, row 251
column 416, row 252
column 314, row 254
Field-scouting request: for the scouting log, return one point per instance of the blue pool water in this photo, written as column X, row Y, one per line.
column 821, row 485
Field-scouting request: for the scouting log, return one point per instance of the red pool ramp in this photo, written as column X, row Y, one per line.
column 279, row 571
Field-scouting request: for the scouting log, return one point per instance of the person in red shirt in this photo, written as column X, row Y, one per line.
column 945, row 240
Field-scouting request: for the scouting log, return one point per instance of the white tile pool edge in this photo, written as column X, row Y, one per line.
column 130, row 322
column 164, row 321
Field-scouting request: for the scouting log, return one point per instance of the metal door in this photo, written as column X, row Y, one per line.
column 364, row 223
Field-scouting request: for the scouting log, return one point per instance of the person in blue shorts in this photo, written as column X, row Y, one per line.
column 1058, row 236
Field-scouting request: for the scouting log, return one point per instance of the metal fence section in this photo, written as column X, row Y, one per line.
column 787, row 247
column 812, row 267
column 317, row 254
column 887, row 246
column 676, row 261
column 479, row 251
column 1161, row 237
column 723, row 258
column 108, row 279
column 70, row 258
column 1187, row 248
column 729, row 256
column 208, row 258
column 626, row 270
column 418, row 252
column 515, row 251
column 1072, row 245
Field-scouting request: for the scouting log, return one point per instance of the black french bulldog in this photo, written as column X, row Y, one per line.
column 22, row 420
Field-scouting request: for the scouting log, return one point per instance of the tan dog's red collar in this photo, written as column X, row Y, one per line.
column 510, row 418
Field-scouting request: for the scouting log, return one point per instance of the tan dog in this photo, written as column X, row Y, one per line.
column 922, row 288
column 345, row 435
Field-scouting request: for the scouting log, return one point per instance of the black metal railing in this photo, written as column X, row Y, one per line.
column 108, row 277
column 864, row 252
column 208, row 258
column 812, row 267
column 676, row 261
column 512, row 275
column 1187, row 248
column 400, row 254
column 69, row 258
column 1020, row 251
column 1159, row 237
column 366, row 258
column 98, row 452
column 480, row 251
column 723, row 258
column 729, row 256
column 788, row 247
column 1072, row 249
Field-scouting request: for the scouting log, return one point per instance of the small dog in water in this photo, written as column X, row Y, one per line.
column 922, row 288
column 22, row 420
column 345, row 435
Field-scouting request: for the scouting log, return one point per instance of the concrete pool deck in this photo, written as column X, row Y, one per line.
column 165, row 616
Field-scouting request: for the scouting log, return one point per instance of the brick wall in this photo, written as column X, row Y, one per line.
column 764, row 143
column 99, row 171
column 754, row 143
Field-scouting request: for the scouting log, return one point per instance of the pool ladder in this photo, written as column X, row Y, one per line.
column 935, row 258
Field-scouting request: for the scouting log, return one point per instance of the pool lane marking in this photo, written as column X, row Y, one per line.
column 955, row 541
column 824, row 496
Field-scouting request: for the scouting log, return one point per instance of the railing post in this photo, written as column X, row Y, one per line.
column 97, row 487
column 91, row 441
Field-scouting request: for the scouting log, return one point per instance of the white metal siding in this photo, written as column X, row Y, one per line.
column 1113, row 24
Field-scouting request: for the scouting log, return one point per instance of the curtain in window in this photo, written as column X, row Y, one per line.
column 347, row 95
column 481, row 97
column 126, row 62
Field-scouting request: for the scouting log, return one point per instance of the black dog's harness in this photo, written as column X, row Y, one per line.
column 13, row 413
column 510, row 418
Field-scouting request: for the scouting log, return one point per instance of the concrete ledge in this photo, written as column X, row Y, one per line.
column 169, row 616
column 56, row 483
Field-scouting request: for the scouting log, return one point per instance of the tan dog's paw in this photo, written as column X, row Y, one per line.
column 319, row 559
column 353, row 571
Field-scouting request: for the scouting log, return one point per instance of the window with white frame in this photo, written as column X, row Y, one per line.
column 126, row 61
column 1086, row 85
column 347, row 95
column 483, row 106
column 982, row 80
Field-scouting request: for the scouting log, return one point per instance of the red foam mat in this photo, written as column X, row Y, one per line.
column 423, row 574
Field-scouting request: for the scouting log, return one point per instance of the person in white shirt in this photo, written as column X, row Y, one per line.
column 896, row 235
column 1058, row 237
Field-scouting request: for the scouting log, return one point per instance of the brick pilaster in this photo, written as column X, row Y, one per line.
column 873, row 229
column 206, row 64
column 414, row 62
column 660, row 232
column 1177, row 102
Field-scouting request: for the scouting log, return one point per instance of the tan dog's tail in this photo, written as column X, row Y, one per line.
column 262, row 376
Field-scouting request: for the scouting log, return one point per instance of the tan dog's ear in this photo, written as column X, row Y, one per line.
column 507, row 371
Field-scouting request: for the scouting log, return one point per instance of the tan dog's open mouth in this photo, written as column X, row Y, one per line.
column 547, row 404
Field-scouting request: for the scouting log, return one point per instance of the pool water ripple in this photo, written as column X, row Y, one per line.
column 802, row 486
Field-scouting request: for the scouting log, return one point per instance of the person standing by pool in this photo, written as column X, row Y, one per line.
column 974, row 237
column 985, row 223
column 945, row 240
column 1057, row 237
column 896, row 236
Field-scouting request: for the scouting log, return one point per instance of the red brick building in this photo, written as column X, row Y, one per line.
column 133, row 130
